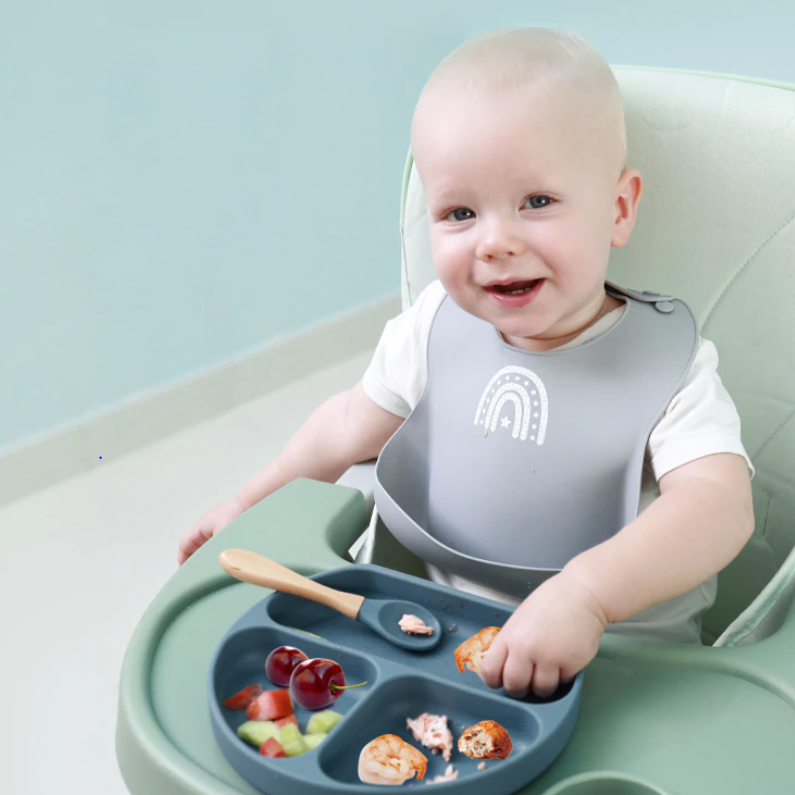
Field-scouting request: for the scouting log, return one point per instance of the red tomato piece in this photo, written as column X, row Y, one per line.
column 271, row 705
column 272, row 748
column 242, row 699
column 289, row 719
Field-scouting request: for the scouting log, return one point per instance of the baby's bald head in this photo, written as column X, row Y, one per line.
column 534, row 67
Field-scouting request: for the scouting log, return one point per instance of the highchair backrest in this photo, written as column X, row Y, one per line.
column 716, row 228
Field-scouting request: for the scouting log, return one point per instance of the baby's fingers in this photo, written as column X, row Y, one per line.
column 517, row 673
column 545, row 680
column 493, row 662
column 191, row 541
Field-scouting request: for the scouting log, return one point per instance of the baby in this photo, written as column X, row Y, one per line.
column 519, row 141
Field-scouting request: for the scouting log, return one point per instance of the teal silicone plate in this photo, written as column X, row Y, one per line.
column 402, row 684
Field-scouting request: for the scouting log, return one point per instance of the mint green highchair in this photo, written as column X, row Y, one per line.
column 716, row 228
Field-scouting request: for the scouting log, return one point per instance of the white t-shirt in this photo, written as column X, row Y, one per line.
column 700, row 420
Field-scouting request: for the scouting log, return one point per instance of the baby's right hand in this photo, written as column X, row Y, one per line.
column 214, row 520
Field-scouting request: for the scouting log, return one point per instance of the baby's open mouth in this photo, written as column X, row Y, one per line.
column 514, row 288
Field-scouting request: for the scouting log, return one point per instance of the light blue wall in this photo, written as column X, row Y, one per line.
column 182, row 182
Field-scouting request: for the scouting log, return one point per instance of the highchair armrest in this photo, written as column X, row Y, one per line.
column 361, row 476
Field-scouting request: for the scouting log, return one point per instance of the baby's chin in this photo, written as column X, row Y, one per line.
column 523, row 327
column 517, row 327
column 532, row 333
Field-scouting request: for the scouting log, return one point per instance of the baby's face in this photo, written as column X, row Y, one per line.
column 518, row 200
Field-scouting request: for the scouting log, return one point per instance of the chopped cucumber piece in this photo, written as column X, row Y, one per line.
column 313, row 740
column 323, row 722
column 291, row 740
column 255, row 732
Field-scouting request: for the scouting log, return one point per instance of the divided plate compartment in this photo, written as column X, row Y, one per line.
column 401, row 684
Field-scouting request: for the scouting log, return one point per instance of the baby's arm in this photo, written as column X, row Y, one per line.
column 699, row 523
column 346, row 429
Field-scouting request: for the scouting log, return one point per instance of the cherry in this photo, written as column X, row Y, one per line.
column 318, row 683
column 281, row 662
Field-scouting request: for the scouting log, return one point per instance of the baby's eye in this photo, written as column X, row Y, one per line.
column 537, row 203
column 459, row 210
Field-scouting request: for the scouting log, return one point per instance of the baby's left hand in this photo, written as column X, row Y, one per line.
column 549, row 638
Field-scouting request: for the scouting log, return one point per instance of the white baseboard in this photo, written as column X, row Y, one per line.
column 145, row 419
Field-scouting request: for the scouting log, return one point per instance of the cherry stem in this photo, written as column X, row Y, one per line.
column 334, row 687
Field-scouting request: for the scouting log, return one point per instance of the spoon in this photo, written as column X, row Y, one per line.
column 381, row 615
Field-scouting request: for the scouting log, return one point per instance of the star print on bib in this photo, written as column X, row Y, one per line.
column 522, row 389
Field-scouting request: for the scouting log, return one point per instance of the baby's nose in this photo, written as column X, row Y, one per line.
column 500, row 239
column 499, row 247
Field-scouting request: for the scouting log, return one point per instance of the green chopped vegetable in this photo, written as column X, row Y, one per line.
column 291, row 740
column 313, row 740
column 255, row 732
column 323, row 722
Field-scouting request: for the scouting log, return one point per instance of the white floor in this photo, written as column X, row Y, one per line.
column 81, row 562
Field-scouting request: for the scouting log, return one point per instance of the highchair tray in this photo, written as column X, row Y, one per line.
column 401, row 684
column 655, row 718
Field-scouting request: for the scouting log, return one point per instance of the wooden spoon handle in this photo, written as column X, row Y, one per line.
column 250, row 567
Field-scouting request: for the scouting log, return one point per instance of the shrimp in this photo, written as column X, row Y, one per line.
column 390, row 760
column 471, row 651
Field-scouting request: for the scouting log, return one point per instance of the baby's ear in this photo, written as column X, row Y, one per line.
column 628, row 192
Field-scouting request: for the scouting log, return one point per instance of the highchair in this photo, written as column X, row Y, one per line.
column 716, row 228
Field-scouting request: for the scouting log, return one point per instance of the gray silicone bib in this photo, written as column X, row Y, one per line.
column 515, row 461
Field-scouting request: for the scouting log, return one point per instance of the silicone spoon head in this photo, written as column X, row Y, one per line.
column 383, row 616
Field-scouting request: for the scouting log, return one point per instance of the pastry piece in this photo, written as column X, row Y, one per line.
column 485, row 740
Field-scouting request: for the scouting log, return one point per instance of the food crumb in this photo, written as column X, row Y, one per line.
column 449, row 775
column 453, row 628
column 482, row 766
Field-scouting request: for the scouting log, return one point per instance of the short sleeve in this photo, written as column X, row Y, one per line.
column 701, row 419
column 398, row 372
